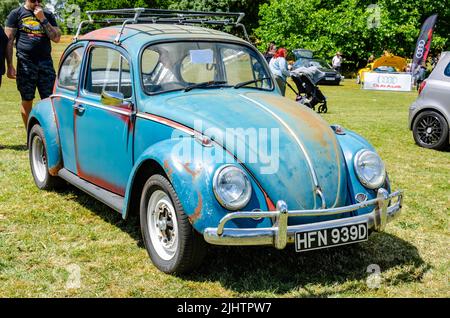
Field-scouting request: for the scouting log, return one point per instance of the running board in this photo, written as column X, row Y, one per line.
column 112, row 200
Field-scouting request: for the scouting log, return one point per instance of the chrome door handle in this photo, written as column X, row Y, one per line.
column 79, row 108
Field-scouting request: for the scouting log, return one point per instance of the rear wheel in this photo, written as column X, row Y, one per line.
column 38, row 160
column 430, row 130
column 323, row 108
column 171, row 242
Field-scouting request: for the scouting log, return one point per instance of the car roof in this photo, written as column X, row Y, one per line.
column 139, row 34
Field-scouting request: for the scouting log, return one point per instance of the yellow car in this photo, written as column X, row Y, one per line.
column 385, row 64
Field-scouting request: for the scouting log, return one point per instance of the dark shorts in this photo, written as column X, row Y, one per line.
column 32, row 75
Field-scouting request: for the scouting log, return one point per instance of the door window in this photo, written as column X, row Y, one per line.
column 108, row 71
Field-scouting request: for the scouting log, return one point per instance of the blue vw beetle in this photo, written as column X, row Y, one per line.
column 186, row 126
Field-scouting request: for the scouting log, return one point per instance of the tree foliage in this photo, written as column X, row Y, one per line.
column 355, row 27
column 358, row 28
column 249, row 7
column 6, row 6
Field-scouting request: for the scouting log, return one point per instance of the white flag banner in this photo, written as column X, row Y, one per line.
column 400, row 82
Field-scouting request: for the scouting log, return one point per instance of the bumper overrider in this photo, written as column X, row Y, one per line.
column 386, row 208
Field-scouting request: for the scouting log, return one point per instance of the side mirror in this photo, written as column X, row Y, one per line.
column 112, row 98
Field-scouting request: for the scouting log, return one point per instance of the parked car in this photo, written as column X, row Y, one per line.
column 385, row 64
column 429, row 115
column 324, row 73
column 135, row 121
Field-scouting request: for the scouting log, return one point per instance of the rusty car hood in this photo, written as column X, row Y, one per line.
column 309, row 153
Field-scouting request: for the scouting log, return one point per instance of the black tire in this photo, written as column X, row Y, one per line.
column 430, row 130
column 191, row 247
column 41, row 175
column 323, row 109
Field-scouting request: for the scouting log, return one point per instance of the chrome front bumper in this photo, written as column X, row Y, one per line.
column 280, row 234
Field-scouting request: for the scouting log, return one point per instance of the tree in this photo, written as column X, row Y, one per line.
column 6, row 6
column 356, row 27
column 249, row 7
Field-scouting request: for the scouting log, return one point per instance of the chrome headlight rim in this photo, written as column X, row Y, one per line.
column 230, row 205
column 364, row 182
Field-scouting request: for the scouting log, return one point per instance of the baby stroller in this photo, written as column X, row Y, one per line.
column 308, row 93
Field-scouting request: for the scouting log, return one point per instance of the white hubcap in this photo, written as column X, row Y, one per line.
column 162, row 225
column 39, row 158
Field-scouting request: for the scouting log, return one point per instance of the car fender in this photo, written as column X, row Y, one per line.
column 192, row 179
column 351, row 143
column 43, row 114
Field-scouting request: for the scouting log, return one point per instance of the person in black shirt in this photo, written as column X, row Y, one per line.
column 32, row 28
column 3, row 43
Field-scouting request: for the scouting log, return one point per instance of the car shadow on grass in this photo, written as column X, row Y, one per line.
column 266, row 270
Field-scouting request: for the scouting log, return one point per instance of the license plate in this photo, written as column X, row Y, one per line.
column 315, row 240
column 330, row 78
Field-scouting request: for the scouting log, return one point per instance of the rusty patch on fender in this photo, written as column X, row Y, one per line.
column 54, row 170
column 168, row 169
column 193, row 173
column 197, row 212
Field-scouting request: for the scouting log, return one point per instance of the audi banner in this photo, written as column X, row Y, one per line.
column 400, row 82
column 424, row 42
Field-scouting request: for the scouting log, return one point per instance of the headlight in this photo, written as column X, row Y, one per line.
column 370, row 169
column 232, row 188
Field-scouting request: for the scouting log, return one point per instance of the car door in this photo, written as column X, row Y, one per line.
column 63, row 99
column 103, row 133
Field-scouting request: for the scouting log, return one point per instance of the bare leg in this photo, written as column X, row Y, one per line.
column 27, row 105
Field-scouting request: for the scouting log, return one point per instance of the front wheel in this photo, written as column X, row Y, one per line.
column 430, row 130
column 171, row 242
column 38, row 160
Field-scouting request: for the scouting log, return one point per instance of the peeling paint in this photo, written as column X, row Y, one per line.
column 197, row 212
column 53, row 171
column 168, row 169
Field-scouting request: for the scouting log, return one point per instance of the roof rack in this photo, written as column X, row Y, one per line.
column 140, row 15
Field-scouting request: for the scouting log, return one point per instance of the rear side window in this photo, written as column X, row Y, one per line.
column 447, row 70
column 69, row 73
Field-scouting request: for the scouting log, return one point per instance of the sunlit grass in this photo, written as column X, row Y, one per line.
column 41, row 233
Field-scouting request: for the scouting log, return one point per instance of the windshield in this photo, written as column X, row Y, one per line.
column 181, row 65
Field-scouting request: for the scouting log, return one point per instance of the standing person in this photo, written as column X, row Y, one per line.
column 371, row 59
column 279, row 67
column 337, row 62
column 3, row 43
column 271, row 51
column 32, row 28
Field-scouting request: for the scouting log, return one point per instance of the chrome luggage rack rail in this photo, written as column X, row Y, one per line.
column 143, row 15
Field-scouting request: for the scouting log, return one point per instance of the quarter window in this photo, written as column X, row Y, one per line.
column 69, row 73
column 108, row 71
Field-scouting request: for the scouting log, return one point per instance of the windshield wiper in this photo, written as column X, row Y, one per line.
column 204, row 85
column 251, row 82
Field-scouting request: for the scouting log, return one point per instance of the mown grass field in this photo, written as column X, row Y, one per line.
column 42, row 234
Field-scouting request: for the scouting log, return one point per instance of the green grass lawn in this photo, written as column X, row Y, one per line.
column 43, row 233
